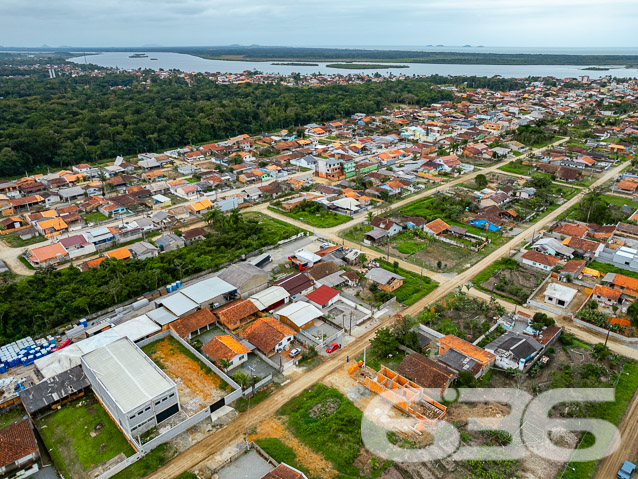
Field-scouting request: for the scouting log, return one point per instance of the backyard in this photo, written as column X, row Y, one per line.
column 80, row 436
column 197, row 385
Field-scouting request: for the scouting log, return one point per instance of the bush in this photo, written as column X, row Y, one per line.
column 600, row 351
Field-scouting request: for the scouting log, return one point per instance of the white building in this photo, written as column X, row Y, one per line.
column 559, row 295
column 136, row 393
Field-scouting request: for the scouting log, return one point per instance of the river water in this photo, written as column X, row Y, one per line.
column 190, row 64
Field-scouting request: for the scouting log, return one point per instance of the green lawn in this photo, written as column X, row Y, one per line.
column 612, row 412
column 66, row 434
column 274, row 227
column 94, row 217
column 412, row 289
column 518, row 168
column 357, row 233
column 329, row 423
column 607, row 268
column 149, row 463
column 16, row 242
column 321, row 219
column 487, row 273
column 276, row 449
column 9, row 417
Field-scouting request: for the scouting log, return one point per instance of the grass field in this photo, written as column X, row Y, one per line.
column 94, row 217
column 607, row 268
column 16, row 242
column 276, row 449
column 273, row 226
column 329, row 423
column 149, row 463
column 321, row 219
column 66, row 433
column 413, row 289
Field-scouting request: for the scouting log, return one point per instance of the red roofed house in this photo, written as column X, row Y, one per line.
column 226, row 351
column 539, row 260
column 194, row 323
column 231, row 314
column 436, row 227
column 45, row 255
column 269, row 335
column 18, row 447
column 323, row 296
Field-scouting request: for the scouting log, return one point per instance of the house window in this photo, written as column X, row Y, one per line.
column 157, row 403
column 561, row 302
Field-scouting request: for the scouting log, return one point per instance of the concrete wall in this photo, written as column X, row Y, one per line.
column 174, row 431
column 620, row 337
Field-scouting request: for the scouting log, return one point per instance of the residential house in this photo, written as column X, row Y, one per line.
column 384, row 279
column 231, row 314
column 194, row 234
column 436, row 227
column 553, row 247
column 323, row 296
column 559, row 295
column 46, row 255
column 201, row 207
column 587, row 248
column 169, row 242
column 295, row 283
column 270, row 298
column 620, row 282
column 269, row 335
column 571, row 230
column 539, row 260
column 321, row 270
column 194, row 323
column 390, row 227
column 427, row 373
column 607, row 297
column 188, row 192
column 143, row 250
column 226, row 351
column 299, row 315
column 514, row 350
column 18, row 450
column 460, row 355
column 77, row 245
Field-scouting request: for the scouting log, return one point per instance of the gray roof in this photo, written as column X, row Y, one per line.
column 71, row 192
column 457, row 361
column 334, row 279
column 161, row 316
column 382, row 276
column 141, row 247
column 168, row 239
column 520, row 345
column 377, row 233
column 554, row 244
column 207, row 290
column 54, row 389
column 127, row 374
column 239, row 273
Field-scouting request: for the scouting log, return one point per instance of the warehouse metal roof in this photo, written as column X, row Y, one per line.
column 127, row 374
column 178, row 304
column 207, row 290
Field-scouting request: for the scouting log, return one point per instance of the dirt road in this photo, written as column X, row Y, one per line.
column 629, row 445
column 232, row 433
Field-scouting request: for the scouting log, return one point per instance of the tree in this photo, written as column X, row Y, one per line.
column 370, row 216
column 384, row 343
column 481, row 180
column 466, row 379
column 395, row 266
column 438, row 264
column 600, row 351
column 362, row 258
column 632, row 314
column 224, row 363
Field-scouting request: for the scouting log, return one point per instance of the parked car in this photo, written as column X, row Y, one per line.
column 295, row 352
column 626, row 470
column 333, row 347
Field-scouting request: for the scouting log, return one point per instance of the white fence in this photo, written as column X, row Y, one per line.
column 253, row 389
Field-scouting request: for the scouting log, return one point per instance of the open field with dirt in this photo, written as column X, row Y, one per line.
column 197, row 385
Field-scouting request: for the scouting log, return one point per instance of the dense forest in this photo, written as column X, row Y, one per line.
column 53, row 298
column 83, row 119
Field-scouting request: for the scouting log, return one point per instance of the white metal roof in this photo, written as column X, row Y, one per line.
column 268, row 297
column 207, row 290
column 127, row 374
column 137, row 328
column 161, row 316
column 305, row 255
column 300, row 313
column 178, row 304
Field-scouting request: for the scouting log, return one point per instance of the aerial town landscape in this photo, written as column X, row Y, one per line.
column 237, row 274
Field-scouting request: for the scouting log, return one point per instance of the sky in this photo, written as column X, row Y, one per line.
column 132, row 23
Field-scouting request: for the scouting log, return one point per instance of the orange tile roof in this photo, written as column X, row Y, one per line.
column 541, row 258
column 192, row 322
column 45, row 253
column 266, row 333
column 468, row 349
column 93, row 263
column 224, row 347
column 437, row 226
column 17, row 441
column 625, row 282
column 605, row 292
column 120, row 253
column 571, row 230
column 236, row 310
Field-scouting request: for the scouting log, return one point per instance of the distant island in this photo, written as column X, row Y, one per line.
column 138, row 55
column 596, row 69
column 297, row 64
column 364, row 66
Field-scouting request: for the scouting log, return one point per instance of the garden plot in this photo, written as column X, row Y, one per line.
column 81, row 437
column 197, row 385
column 432, row 253
column 516, row 284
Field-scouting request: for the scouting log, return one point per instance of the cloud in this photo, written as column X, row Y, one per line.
column 306, row 22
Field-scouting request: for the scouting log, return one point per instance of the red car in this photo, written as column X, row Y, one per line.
column 333, row 347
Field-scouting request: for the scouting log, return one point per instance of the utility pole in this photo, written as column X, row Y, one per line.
column 421, row 280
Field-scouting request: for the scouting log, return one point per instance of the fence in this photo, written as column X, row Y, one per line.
column 267, row 360
column 619, row 337
column 545, row 307
column 121, row 465
column 387, row 303
column 264, row 382
column 430, row 332
column 176, row 430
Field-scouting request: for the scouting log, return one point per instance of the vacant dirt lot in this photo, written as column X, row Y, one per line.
column 316, row 463
column 516, row 284
column 197, row 385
